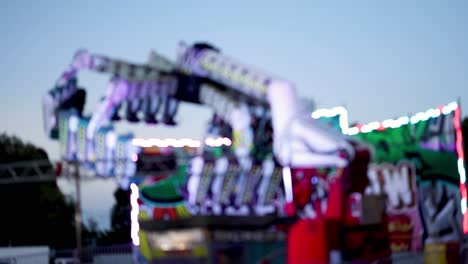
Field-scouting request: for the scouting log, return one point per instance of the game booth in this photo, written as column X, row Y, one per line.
column 274, row 180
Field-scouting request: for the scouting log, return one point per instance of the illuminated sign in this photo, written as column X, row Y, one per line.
column 225, row 70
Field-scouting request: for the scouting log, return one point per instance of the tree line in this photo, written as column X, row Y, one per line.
column 38, row 213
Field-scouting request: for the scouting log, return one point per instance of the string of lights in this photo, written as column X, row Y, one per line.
column 452, row 107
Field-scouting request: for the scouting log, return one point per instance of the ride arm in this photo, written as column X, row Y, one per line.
column 298, row 141
column 125, row 74
column 84, row 60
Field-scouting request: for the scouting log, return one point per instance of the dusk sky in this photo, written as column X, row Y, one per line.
column 379, row 59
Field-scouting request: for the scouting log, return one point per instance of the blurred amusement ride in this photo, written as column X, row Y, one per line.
column 274, row 180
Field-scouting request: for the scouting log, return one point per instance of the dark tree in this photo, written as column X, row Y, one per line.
column 32, row 213
column 13, row 149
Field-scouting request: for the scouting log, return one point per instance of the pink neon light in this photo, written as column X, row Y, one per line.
column 461, row 155
column 381, row 127
column 359, row 127
column 463, row 191
column 459, row 134
column 458, row 130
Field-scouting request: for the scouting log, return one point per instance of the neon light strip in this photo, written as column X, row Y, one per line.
column 288, row 189
column 135, row 227
column 218, row 142
column 180, row 143
column 461, row 166
column 404, row 120
column 334, row 112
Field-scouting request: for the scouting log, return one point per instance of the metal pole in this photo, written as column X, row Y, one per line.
column 77, row 210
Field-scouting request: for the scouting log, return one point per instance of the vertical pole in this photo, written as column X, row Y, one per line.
column 77, row 210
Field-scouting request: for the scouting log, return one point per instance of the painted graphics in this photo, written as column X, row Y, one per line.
column 415, row 167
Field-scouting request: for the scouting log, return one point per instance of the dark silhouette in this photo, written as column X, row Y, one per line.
column 37, row 213
column 33, row 213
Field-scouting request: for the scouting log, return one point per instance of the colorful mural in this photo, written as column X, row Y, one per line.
column 418, row 165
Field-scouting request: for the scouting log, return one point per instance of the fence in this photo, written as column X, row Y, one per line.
column 262, row 253
column 24, row 255
column 123, row 254
column 92, row 254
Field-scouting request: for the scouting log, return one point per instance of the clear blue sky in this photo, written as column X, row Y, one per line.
column 381, row 59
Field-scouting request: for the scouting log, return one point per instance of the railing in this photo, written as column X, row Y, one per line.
column 124, row 252
column 265, row 253
column 26, row 171
column 36, row 257
column 89, row 254
column 436, row 255
column 46, row 171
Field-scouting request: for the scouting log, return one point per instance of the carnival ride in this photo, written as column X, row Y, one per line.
column 265, row 165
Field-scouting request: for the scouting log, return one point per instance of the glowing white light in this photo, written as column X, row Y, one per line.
column 319, row 113
column 374, row 125
column 328, row 112
column 179, row 143
column 111, row 139
column 154, row 141
column 366, row 129
column 73, row 123
column 194, row 144
column 449, row 108
column 463, row 205
column 287, row 184
column 209, row 141
column 461, row 171
column 389, row 123
column 162, row 144
column 404, row 120
column 395, row 123
column 137, row 141
column 316, row 114
column 343, row 119
column 140, row 142
column 227, row 141
column 181, row 246
column 417, row 117
column 146, row 144
column 186, row 142
column 446, row 110
column 353, row 131
column 433, row 113
column 171, row 141
column 134, row 157
column 218, row 142
column 165, row 246
column 135, row 226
